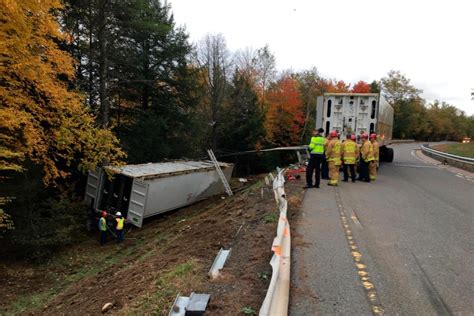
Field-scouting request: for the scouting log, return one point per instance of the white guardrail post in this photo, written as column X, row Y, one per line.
column 277, row 298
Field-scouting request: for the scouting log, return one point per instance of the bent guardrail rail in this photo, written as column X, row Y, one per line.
column 465, row 163
column 277, row 298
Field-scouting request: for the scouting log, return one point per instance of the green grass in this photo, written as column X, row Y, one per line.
column 168, row 285
column 270, row 218
column 97, row 262
column 459, row 149
column 247, row 310
column 32, row 301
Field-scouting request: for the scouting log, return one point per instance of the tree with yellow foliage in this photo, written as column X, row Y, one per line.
column 42, row 121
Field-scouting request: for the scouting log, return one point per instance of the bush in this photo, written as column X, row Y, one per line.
column 43, row 227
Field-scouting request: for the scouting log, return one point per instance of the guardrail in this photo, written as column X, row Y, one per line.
column 453, row 160
column 277, row 298
column 401, row 141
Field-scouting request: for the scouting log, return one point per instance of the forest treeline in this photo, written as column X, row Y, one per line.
column 91, row 82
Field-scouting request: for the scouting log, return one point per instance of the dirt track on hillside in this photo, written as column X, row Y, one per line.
column 140, row 276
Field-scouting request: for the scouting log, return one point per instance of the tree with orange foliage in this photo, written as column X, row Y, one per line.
column 361, row 87
column 285, row 116
column 42, row 120
column 340, row 86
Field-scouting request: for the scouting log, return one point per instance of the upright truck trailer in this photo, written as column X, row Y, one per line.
column 356, row 113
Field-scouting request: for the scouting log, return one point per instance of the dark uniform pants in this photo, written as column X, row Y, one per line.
column 325, row 168
column 364, row 170
column 351, row 168
column 315, row 162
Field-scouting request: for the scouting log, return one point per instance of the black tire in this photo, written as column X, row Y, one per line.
column 389, row 155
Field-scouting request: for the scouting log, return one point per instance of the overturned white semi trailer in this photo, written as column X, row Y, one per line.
column 141, row 191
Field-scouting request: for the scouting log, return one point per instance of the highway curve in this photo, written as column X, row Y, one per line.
column 403, row 244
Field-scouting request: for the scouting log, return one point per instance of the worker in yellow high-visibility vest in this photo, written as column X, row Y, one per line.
column 316, row 148
column 119, row 228
column 103, row 228
column 374, row 164
column 333, row 157
column 350, row 152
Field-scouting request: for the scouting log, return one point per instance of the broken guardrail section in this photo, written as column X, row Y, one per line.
column 219, row 262
column 193, row 305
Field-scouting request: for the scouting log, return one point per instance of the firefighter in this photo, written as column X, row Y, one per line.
column 333, row 157
column 103, row 228
column 119, row 228
column 316, row 147
column 366, row 156
column 350, row 152
column 374, row 164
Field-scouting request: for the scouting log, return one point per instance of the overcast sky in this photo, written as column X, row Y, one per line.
column 431, row 42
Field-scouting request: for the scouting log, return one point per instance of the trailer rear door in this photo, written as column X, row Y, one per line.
column 136, row 207
column 94, row 181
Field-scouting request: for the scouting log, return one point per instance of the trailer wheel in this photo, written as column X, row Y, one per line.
column 389, row 155
column 386, row 154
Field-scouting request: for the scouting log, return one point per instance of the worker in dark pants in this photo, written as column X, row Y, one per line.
column 366, row 157
column 119, row 228
column 316, row 148
column 103, row 228
column 350, row 152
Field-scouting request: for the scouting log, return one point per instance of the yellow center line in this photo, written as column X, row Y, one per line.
column 368, row 286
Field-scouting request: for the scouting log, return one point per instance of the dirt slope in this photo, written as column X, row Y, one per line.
column 171, row 254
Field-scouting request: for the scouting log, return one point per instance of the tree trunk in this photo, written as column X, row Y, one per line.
column 104, row 102
column 90, row 57
column 146, row 75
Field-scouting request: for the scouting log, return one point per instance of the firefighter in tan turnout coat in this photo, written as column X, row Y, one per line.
column 374, row 163
column 350, row 152
column 333, row 157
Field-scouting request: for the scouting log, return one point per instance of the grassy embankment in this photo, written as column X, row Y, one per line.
column 465, row 150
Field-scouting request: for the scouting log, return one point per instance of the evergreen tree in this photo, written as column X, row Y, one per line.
column 243, row 127
column 133, row 66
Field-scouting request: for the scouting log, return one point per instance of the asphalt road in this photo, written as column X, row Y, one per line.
column 403, row 244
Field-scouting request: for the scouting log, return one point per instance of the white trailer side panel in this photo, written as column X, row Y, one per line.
column 385, row 121
column 173, row 192
column 319, row 112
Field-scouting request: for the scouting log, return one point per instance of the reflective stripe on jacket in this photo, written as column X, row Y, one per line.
column 367, row 151
column 120, row 223
column 349, row 152
column 333, row 151
column 316, row 146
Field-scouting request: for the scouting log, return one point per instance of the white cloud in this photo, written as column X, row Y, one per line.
column 429, row 41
